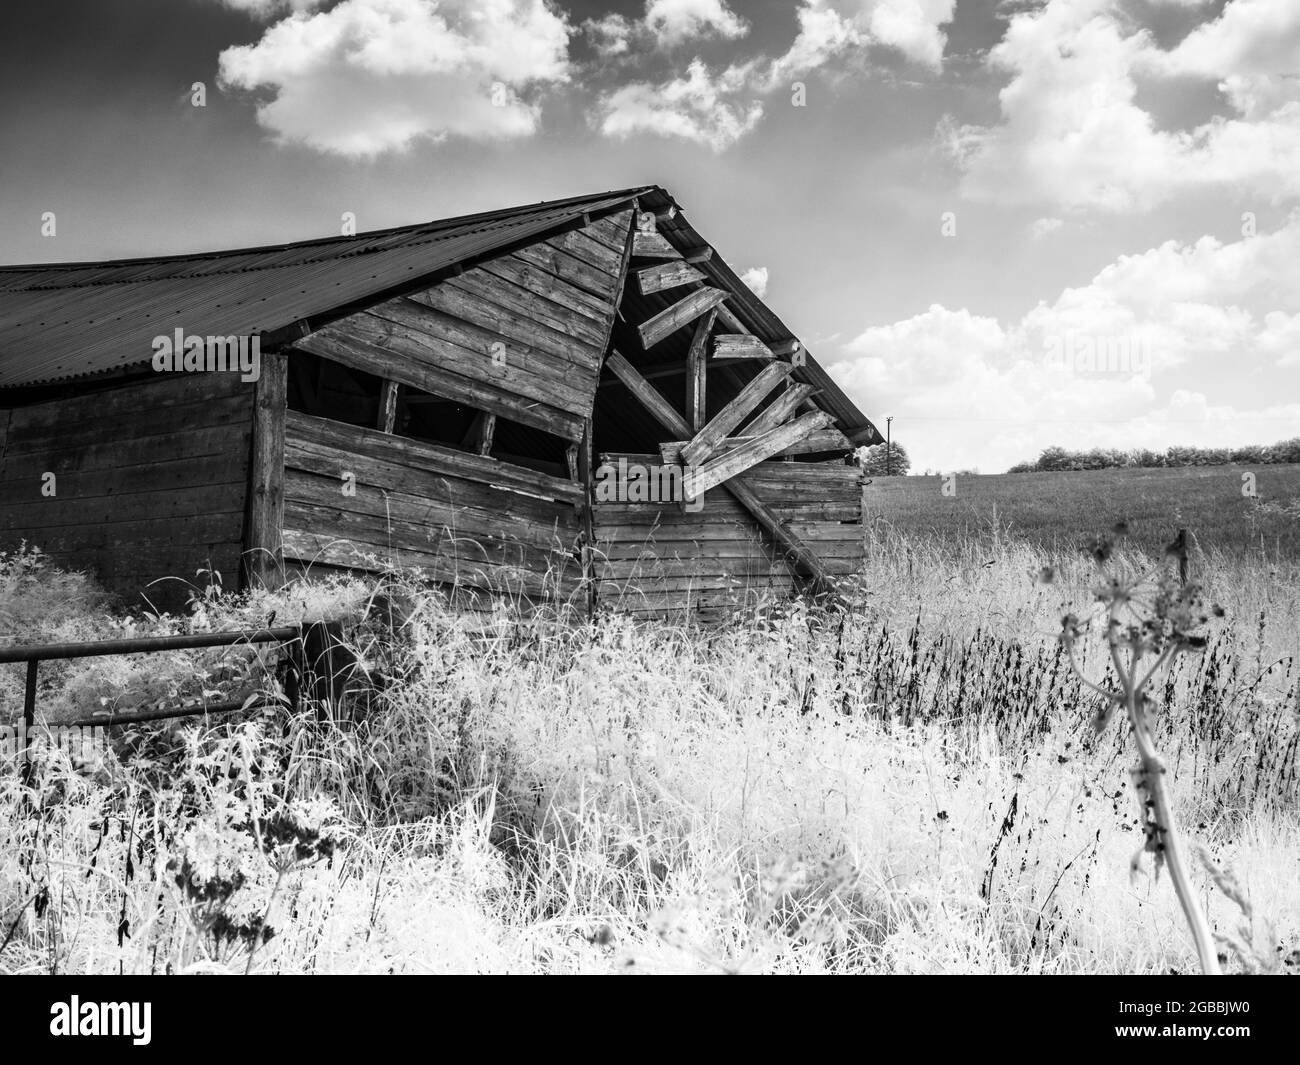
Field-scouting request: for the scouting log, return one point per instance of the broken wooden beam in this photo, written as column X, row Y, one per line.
column 829, row 439
column 681, row 313
column 666, row 275
column 780, row 409
column 697, row 255
column 696, row 371
column 802, row 560
column 734, row 412
column 740, row 346
column 699, row 479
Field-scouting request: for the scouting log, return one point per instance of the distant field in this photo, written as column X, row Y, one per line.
column 1055, row 510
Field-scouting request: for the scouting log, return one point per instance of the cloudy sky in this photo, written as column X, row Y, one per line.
column 1006, row 223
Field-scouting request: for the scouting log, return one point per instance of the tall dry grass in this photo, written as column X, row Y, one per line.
column 910, row 786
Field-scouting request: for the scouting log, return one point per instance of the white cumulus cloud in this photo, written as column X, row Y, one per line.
column 755, row 279
column 712, row 110
column 369, row 76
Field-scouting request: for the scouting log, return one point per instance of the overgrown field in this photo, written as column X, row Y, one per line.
column 911, row 785
column 1051, row 509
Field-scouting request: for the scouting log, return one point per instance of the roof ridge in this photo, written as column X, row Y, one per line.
column 433, row 226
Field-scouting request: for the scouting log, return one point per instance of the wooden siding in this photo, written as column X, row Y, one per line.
column 546, row 311
column 463, row 518
column 657, row 558
column 150, row 481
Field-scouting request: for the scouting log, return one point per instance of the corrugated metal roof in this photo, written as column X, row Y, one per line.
column 69, row 320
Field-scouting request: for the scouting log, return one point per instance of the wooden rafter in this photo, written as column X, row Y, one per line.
column 735, row 412
column 680, row 314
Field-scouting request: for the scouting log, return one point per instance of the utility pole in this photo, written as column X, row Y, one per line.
column 889, row 421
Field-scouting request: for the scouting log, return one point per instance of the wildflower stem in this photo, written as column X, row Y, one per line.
column 1153, row 777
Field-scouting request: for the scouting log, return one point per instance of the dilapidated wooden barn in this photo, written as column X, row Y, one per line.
column 576, row 398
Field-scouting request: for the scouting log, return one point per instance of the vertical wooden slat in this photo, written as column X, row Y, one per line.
column 588, row 517
column 388, row 406
column 263, row 557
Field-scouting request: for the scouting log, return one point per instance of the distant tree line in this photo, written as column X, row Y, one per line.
column 1054, row 459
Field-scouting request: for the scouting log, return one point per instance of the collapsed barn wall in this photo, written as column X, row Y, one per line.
column 149, row 480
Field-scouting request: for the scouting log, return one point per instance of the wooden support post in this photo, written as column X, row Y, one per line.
column 585, row 473
column 263, row 556
column 697, row 371
column 478, row 437
column 387, row 421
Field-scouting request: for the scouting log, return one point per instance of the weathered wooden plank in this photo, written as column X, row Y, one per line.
column 409, row 364
column 680, row 314
column 569, row 268
column 73, row 512
column 316, row 547
column 727, row 419
column 829, row 439
column 581, row 245
column 483, row 354
column 455, row 516
column 430, row 457
column 740, row 346
column 517, row 328
column 493, row 292
column 666, row 275
column 540, row 282
column 751, row 452
column 653, row 246
column 670, row 452
column 79, row 428
column 465, row 534
column 73, row 487
column 230, row 441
